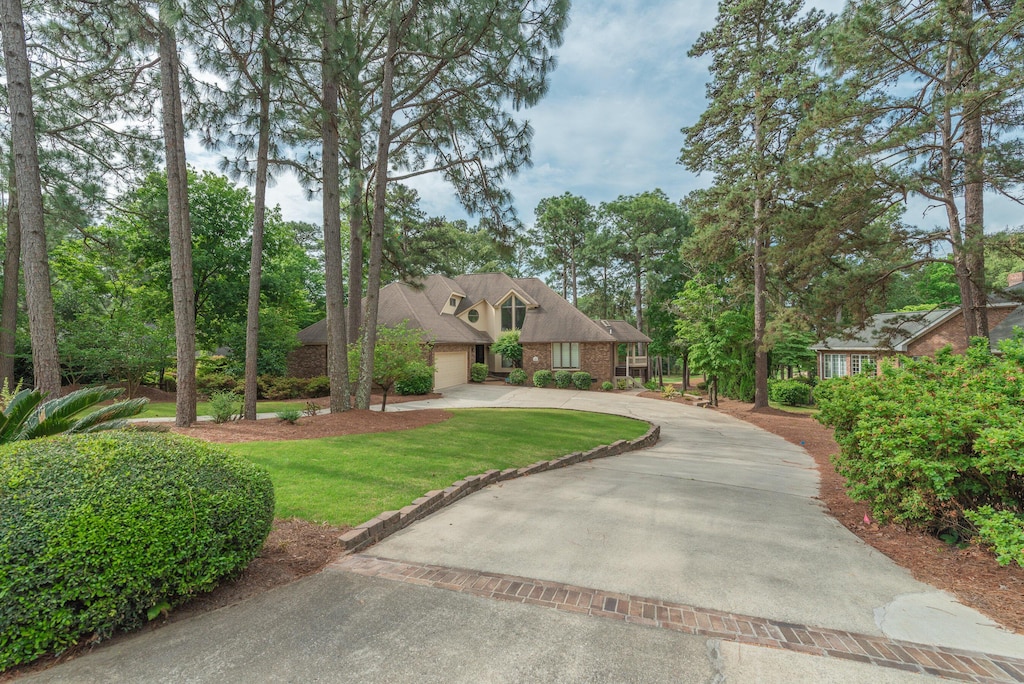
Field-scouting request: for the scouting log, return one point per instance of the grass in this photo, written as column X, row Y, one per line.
column 350, row 479
column 166, row 409
column 804, row 410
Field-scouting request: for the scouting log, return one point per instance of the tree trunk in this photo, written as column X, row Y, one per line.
column 38, row 296
column 356, row 212
column 353, row 102
column 337, row 336
column 974, row 179
column 252, row 316
column 380, row 183
column 180, row 226
column 9, row 300
column 638, row 297
column 760, row 280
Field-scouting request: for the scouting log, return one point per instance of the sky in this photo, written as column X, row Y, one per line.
column 610, row 123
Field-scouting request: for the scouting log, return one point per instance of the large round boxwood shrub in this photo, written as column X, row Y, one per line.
column 103, row 531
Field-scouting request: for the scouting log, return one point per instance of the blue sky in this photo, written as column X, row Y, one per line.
column 610, row 124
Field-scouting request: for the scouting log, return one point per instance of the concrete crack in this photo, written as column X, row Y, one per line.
column 718, row 675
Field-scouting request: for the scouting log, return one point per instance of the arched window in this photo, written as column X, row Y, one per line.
column 513, row 311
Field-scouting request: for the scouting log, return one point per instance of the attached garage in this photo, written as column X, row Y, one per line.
column 451, row 368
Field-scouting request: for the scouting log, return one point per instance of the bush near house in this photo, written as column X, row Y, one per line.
column 478, row 372
column 581, row 380
column 937, row 443
column 517, row 376
column 542, row 378
column 563, row 379
column 418, row 379
column 789, row 392
column 104, row 531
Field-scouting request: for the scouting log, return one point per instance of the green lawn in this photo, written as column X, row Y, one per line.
column 165, row 409
column 806, row 410
column 348, row 480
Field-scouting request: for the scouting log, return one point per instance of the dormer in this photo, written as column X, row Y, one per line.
column 452, row 305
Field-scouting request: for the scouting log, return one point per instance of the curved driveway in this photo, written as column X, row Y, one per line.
column 718, row 516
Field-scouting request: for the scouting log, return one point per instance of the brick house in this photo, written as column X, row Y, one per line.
column 463, row 316
column 915, row 334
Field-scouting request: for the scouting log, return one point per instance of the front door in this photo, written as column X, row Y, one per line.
column 481, row 353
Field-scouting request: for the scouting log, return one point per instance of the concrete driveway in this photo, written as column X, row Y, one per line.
column 718, row 526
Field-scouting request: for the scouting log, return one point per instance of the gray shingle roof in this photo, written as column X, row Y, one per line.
column 886, row 331
column 549, row 318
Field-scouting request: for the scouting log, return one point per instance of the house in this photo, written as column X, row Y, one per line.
column 463, row 316
column 914, row 334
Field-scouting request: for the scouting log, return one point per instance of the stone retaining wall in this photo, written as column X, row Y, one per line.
column 389, row 522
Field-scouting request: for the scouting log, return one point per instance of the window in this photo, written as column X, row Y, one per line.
column 513, row 311
column 833, row 366
column 453, row 302
column 473, row 315
column 860, row 363
column 565, row 355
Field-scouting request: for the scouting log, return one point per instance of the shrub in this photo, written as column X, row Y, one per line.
column 320, row 386
column 508, row 347
column 624, row 383
column 418, row 379
column 215, row 382
column 652, row 385
column 789, row 392
column 280, row 388
column 289, row 415
column 312, row 409
column 607, row 386
column 225, row 406
column 581, row 380
column 104, row 531
column 1001, row 530
column 517, row 376
column 563, row 379
column 670, row 392
column 542, row 378
column 927, row 442
column 478, row 372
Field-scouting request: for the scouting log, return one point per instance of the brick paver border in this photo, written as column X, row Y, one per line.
column 950, row 663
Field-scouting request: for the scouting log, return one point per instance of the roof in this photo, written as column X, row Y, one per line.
column 895, row 331
column 887, row 331
column 549, row 317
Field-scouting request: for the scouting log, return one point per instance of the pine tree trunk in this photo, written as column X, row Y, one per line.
column 380, row 182
column 9, row 299
column 252, row 316
column 180, row 227
column 355, row 254
column 974, row 178
column 337, row 337
column 760, row 287
column 38, row 296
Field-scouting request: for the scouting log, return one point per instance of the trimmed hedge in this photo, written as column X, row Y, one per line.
column 563, row 379
column 542, row 378
column 789, row 392
column 478, row 372
column 582, row 380
column 104, row 531
column 517, row 376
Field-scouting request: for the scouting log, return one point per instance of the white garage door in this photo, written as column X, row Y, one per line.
column 451, row 368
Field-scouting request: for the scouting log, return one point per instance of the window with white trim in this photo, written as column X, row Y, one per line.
column 565, row 355
column 833, row 366
column 859, row 361
column 513, row 312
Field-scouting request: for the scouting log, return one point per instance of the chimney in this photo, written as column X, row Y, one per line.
column 1015, row 279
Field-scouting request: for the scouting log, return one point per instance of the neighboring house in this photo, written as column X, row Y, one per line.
column 463, row 316
column 914, row 334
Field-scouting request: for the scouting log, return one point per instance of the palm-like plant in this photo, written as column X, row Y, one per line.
column 28, row 416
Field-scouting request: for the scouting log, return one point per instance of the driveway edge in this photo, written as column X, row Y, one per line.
column 389, row 522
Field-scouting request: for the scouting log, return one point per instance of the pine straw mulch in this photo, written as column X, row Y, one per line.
column 971, row 574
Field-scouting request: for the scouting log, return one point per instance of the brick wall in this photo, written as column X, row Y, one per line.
column 596, row 358
column 308, row 361
column 952, row 332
